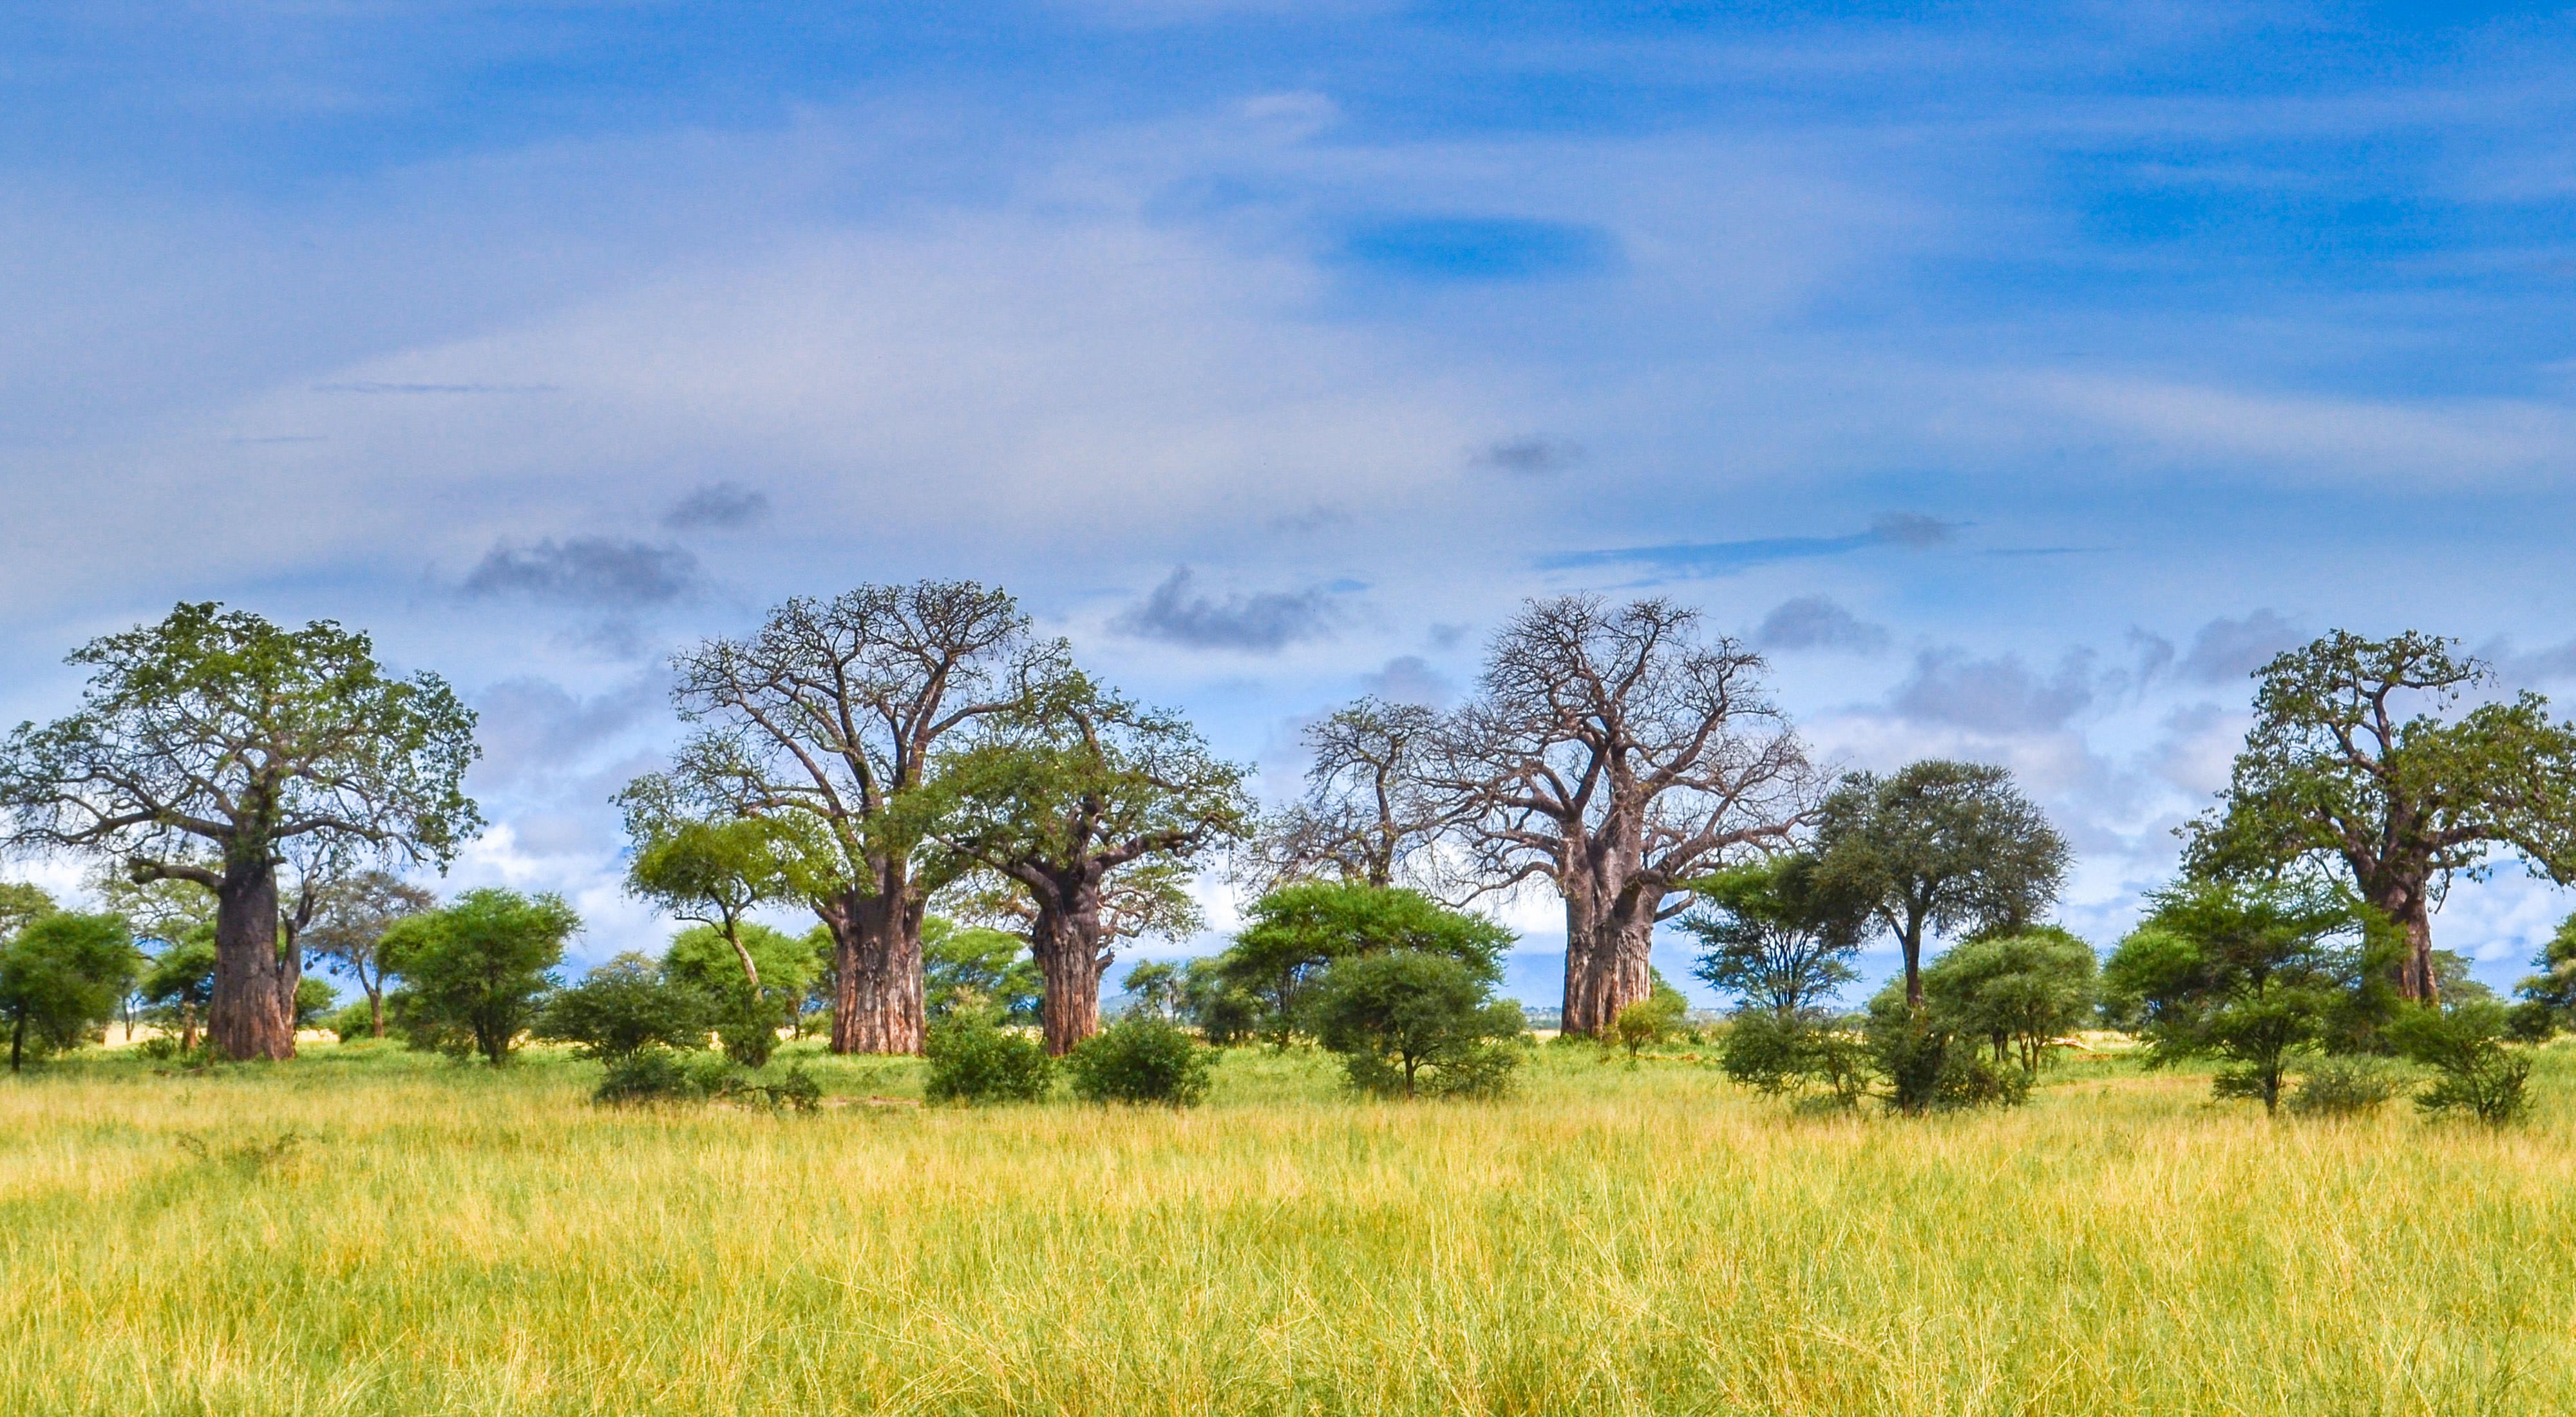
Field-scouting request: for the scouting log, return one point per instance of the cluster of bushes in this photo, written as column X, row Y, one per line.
column 1142, row 1058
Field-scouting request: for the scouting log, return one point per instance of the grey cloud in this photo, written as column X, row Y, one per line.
column 585, row 570
column 1913, row 529
column 2538, row 666
column 1313, row 519
column 1409, row 679
column 1999, row 695
column 1818, row 622
column 1530, row 457
column 718, row 506
column 1447, row 636
column 1267, row 620
column 2226, row 650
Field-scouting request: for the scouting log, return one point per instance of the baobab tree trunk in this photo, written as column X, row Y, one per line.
column 877, row 1002
column 2409, row 909
column 1071, row 962
column 253, row 1012
column 1607, row 964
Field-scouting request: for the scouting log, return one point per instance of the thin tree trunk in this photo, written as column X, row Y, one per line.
column 375, row 1007
column 17, row 1040
column 253, row 1012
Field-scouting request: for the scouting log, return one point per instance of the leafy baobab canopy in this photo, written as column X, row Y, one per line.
column 2360, row 763
column 216, row 747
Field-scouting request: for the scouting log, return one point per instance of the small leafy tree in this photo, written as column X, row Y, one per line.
column 746, row 1008
column 1777, row 934
column 60, row 976
column 178, row 984
column 474, row 972
column 1224, row 1013
column 974, row 1059
column 1294, row 934
column 2475, row 1072
column 1939, row 846
column 2549, row 997
column 1396, row 1015
column 625, row 1007
column 349, row 922
column 1650, row 1020
column 1927, row 1066
column 2254, row 973
column 2020, row 993
column 1142, row 1058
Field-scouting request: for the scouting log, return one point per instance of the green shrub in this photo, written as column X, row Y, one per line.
column 1141, row 1059
column 352, row 1022
column 2475, row 1072
column 1651, row 1020
column 1927, row 1068
column 661, row 1075
column 623, row 1008
column 974, row 1059
column 1779, row 1054
column 2345, row 1087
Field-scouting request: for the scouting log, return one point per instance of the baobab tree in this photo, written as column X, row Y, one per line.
column 1094, row 807
column 1368, row 814
column 1617, row 753
column 825, row 722
column 2353, row 768
column 218, row 748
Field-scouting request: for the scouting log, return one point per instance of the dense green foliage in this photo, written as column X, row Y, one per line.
column 1407, row 1021
column 967, row 966
column 1294, row 934
column 61, row 975
column 625, row 1007
column 2019, row 993
column 1141, row 1058
column 974, row 1058
column 2256, row 974
column 473, row 972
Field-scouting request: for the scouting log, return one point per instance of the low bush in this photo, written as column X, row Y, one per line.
column 352, row 1023
column 2474, row 1072
column 2345, row 1087
column 1141, row 1059
column 974, row 1059
column 625, row 1008
column 662, row 1075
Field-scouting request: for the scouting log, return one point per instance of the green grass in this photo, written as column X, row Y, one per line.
column 365, row 1231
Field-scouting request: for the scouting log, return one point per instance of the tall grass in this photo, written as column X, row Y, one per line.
column 368, row 1232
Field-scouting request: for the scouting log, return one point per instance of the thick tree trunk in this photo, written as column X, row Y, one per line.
column 253, row 1013
column 376, row 1013
column 1607, row 958
column 877, row 1002
column 1070, row 960
column 2409, row 910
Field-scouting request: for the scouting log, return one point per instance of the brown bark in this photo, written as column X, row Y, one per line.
column 2408, row 907
column 253, row 1012
column 877, row 1004
column 1066, row 944
column 1609, row 925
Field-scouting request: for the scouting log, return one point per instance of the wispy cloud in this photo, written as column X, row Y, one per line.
column 1912, row 530
column 718, row 506
column 1818, row 622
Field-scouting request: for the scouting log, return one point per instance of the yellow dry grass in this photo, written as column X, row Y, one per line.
column 368, row 1232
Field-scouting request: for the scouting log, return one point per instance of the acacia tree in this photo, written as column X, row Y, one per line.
column 1940, row 846
column 1616, row 753
column 348, row 930
column 218, row 748
column 710, row 871
column 1074, row 791
column 1369, row 813
column 825, row 722
column 2338, row 776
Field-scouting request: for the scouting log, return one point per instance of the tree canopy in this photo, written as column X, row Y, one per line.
column 1940, row 846
column 2361, row 764
column 219, row 748
column 1616, row 752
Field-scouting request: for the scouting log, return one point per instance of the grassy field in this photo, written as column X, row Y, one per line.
column 364, row 1231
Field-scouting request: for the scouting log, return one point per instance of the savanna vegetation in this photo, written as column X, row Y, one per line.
column 869, row 1131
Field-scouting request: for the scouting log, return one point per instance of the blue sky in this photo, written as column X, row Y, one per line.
column 2015, row 375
